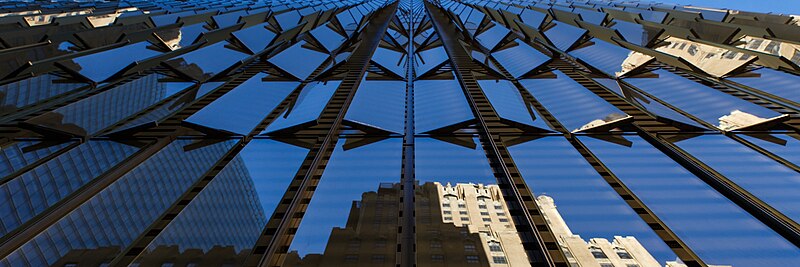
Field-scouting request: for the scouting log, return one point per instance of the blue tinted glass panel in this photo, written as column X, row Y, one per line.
column 380, row 104
column 491, row 37
column 563, row 35
column 202, row 67
column 763, row 177
column 256, row 38
column 606, row 57
column 329, row 38
column 728, row 234
column 520, row 59
column 439, row 103
column 250, row 102
column 177, row 38
column 392, row 60
column 706, row 103
column 100, row 66
column 31, row 91
column 774, row 82
column 647, row 103
column 287, row 60
column 532, row 18
column 573, row 105
column 307, row 107
column 509, row 104
column 556, row 172
column 342, row 193
column 453, row 161
column 17, row 155
column 784, row 145
column 429, row 59
column 634, row 33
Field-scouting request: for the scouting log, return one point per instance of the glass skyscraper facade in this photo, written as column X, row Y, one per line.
column 585, row 133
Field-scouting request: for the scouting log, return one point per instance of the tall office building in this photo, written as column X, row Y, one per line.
column 398, row 133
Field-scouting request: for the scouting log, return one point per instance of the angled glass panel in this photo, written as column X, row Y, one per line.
column 347, row 21
column 307, row 107
column 591, row 16
column 177, row 38
column 563, row 35
column 353, row 212
column 647, row 103
column 112, row 219
column 250, row 103
column 714, row 107
column 768, row 180
column 32, row 91
column 611, row 59
column 232, row 209
column 288, row 19
column 573, row 105
column 168, row 19
column 102, row 65
column 390, row 59
column 773, row 82
column 509, row 104
column 171, row 106
column 256, row 38
column 287, row 60
column 520, row 59
column 532, row 18
column 228, row 19
column 29, row 194
column 716, row 61
column 727, row 235
column 439, row 103
column 451, row 160
column 491, row 37
column 328, row 37
column 100, row 111
column 634, row 32
column 380, row 104
column 581, row 206
column 17, row 155
column 786, row 146
column 429, row 59
column 201, row 66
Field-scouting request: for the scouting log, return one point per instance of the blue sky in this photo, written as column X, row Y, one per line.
column 765, row 6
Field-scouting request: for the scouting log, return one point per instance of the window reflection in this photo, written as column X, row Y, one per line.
column 520, row 59
column 198, row 65
column 439, row 103
column 307, row 107
column 352, row 217
column 785, row 146
column 379, row 104
column 711, row 59
column 728, row 234
column 614, row 60
column 287, row 60
column 773, row 83
column 509, row 104
column 563, row 35
column 32, row 91
column 17, row 155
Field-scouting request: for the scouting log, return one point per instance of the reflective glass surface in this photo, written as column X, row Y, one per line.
column 520, row 59
column 32, row 91
column 611, row 59
column 439, row 103
column 379, row 104
column 774, row 82
column 306, row 107
column 509, row 103
column 100, row 66
column 563, row 35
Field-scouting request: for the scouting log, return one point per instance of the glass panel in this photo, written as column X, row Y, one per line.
column 353, row 214
column 461, row 215
column 252, row 185
column 714, row 107
column 712, row 59
column 786, row 146
column 563, row 35
column 648, row 103
column 32, row 91
column 763, row 177
column 100, row 111
column 256, row 38
column 380, row 104
column 200, row 66
column 100, row 66
column 573, row 105
column 288, row 20
column 532, row 18
column 520, row 59
column 390, row 59
column 611, row 59
column 727, row 235
column 112, row 219
column 250, row 102
column 635, row 33
column 177, row 38
column 287, row 60
column 591, row 16
column 429, row 59
column 491, row 37
column 329, row 38
column 580, row 206
column 509, row 104
column 307, row 107
column 439, row 103
column 171, row 106
column 32, row 192
column 19, row 154
column 773, row 82
column 228, row 19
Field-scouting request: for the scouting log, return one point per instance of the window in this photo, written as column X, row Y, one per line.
column 436, row 244
column 378, row 258
column 682, row 46
column 167, row 264
column 448, row 218
column 469, row 247
column 482, row 206
column 463, row 212
column 597, row 253
column 487, row 219
column 495, row 247
column 447, row 212
column 632, row 265
column 606, row 265
column 437, row 257
column 773, row 47
column 446, row 205
column 484, row 213
column 624, row 254
column 472, row 259
column 730, row 54
column 755, row 43
column 692, row 50
column 499, row 259
column 350, row 258
column 462, row 206
column 498, row 206
column 796, row 57
column 503, row 220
